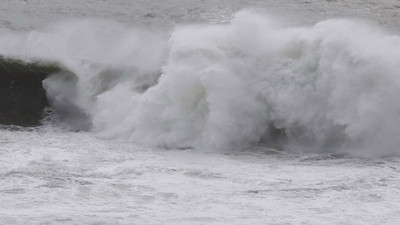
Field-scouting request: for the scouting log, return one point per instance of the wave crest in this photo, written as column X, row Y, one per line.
column 333, row 85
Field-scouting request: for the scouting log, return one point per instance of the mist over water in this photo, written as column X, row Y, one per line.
column 253, row 80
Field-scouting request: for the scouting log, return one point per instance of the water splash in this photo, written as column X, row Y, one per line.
column 333, row 85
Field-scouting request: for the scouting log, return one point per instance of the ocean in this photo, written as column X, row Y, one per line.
column 199, row 112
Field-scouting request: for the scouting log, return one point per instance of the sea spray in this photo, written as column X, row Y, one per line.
column 333, row 85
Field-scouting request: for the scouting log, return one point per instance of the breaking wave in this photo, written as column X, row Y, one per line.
column 334, row 85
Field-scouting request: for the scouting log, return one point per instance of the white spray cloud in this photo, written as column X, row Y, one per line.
column 334, row 84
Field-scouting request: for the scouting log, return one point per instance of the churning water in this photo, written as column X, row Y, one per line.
column 273, row 103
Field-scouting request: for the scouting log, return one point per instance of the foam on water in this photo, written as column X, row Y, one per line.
column 333, row 85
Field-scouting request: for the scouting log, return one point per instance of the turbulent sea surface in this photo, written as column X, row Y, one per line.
column 199, row 112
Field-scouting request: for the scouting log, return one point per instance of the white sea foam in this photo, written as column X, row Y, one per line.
column 331, row 85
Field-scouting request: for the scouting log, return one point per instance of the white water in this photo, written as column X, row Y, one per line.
column 53, row 177
column 331, row 85
column 205, row 76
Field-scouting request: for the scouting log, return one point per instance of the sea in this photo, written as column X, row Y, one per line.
column 278, row 112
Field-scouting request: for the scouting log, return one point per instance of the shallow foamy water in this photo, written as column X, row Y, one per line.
column 53, row 177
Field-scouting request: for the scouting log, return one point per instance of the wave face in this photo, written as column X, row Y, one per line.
column 334, row 85
column 22, row 97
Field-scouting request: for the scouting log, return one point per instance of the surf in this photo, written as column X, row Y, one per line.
column 254, row 80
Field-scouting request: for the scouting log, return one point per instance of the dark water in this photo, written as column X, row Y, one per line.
column 22, row 96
